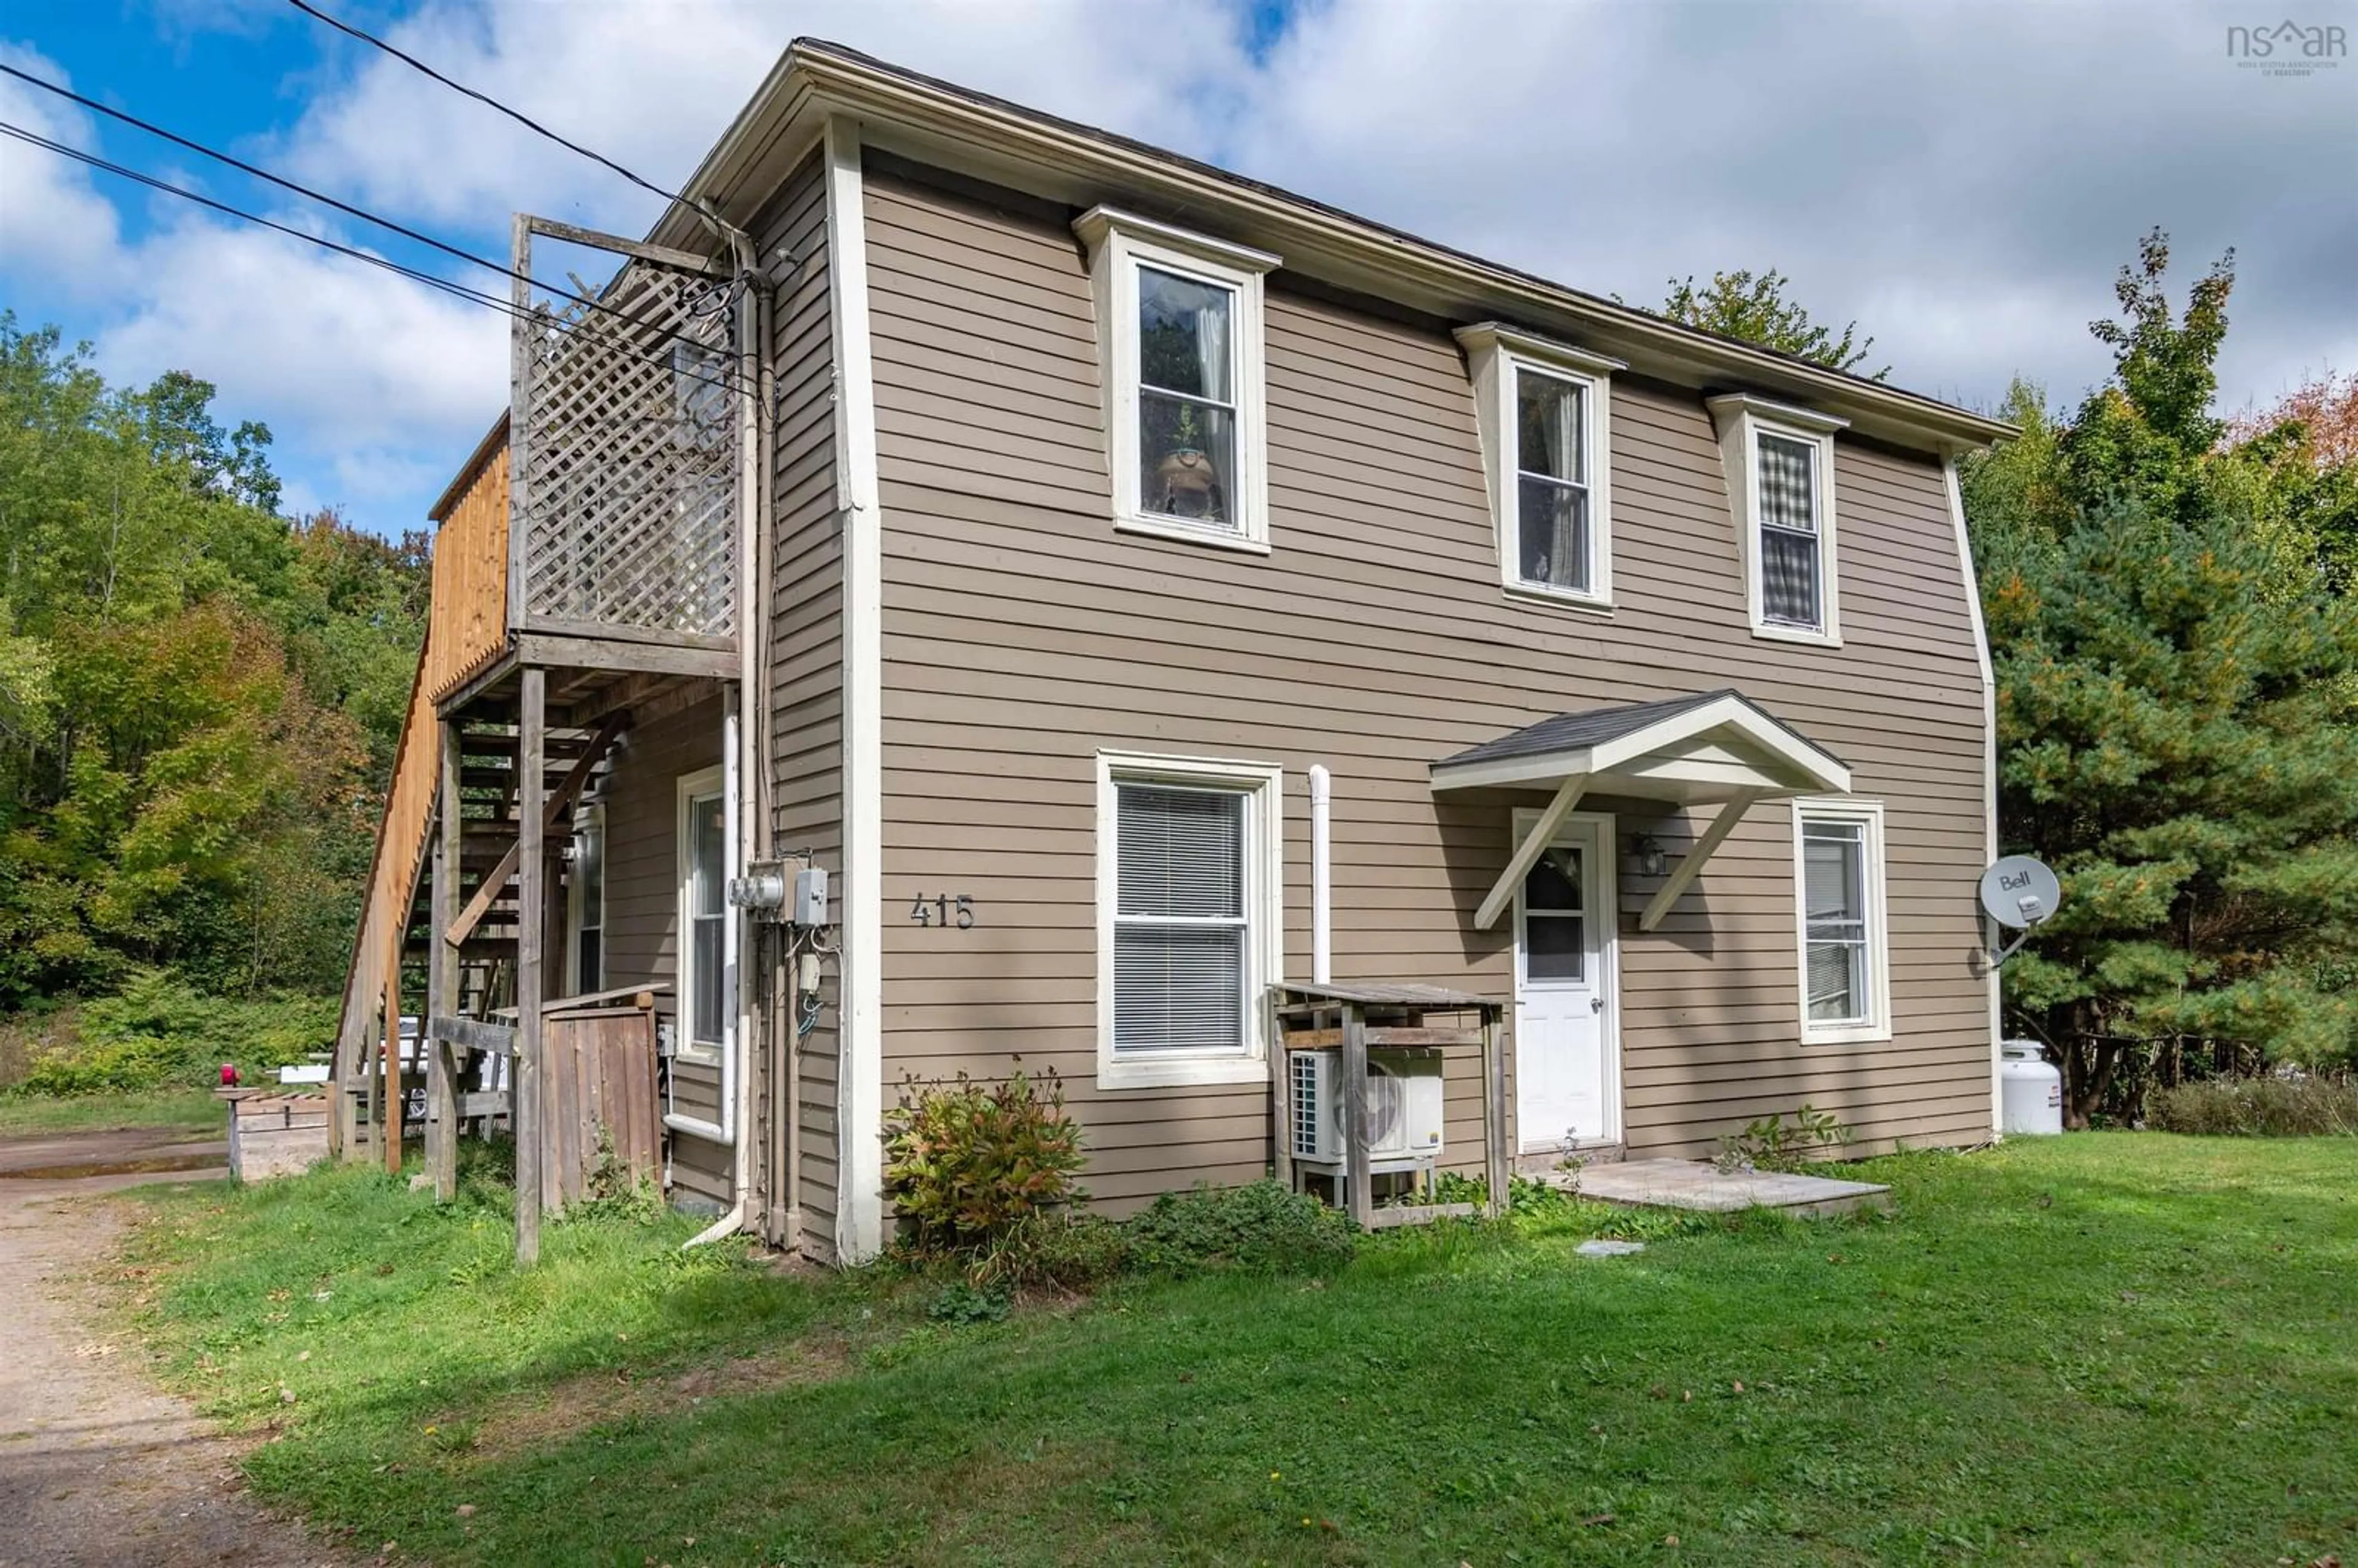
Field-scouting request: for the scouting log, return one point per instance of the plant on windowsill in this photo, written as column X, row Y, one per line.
column 1187, row 483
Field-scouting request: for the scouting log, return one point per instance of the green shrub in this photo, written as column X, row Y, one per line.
column 1772, row 1143
column 1259, row 1226
column 963, row 1302
column 1061, row 1251
column 159, row 1030
column 2263, row 1108
column 965, row 1161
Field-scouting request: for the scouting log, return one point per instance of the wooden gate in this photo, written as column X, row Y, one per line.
column 599, row 1103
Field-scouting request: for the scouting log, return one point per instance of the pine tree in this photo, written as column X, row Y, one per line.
column 2177, row 715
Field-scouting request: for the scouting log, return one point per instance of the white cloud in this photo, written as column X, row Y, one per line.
column 1964, row 181
column 342, row 359
column 654, row 88
column 57, row 225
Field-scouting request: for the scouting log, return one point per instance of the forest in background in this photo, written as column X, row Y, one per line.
column 199, row 702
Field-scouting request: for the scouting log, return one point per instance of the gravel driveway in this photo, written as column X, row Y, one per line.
column 97, row 1467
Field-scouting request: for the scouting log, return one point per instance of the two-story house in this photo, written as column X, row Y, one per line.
column 1023, row 524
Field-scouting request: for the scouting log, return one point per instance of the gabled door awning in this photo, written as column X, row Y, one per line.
column 1716, row 746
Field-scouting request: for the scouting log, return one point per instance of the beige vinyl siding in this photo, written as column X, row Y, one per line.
column 643, row 906
column 805, row 675
column 1022, row 634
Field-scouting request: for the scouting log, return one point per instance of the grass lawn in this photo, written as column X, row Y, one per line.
column 2106, row 1348
column 190, row 1111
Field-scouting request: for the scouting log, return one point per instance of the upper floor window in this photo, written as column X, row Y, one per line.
column 1544, row 411
column 1780, row 464
column 1838, row 877
column 1179, row 330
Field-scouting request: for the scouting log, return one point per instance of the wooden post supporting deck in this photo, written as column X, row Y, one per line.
column 1360, row 1183
column 1494, row 1113
column 442, row 980
column 523, row 1070
column 392, row 1101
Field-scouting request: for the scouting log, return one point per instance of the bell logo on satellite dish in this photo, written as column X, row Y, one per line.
column 2018, row 893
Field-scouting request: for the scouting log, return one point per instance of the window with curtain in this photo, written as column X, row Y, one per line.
column 706, row 1006
column 1186, row 397
column 1839, row 959
column 1183, row 966
column 1552, row 532
column 1790, row 536
column 589, row 902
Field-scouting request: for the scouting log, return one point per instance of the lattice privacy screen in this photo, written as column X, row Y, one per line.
column 627, row 490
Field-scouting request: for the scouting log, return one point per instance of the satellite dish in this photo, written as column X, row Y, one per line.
column 2019, row 891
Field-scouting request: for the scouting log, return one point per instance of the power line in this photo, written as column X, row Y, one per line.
column 670, row 334
column 729, row 382
column 486, row 99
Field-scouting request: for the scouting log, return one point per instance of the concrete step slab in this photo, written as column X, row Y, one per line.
column 1698, row 1184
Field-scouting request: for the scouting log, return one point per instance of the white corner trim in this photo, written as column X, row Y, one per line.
column 859, row 1202
column 1742, row 419
column 1876, row 1029
column 1120, row 244
column 1495, row 356
column 1989, row 759
column 1264, row 899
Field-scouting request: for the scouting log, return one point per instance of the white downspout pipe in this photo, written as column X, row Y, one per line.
column 740, row 761
column 1322, row 890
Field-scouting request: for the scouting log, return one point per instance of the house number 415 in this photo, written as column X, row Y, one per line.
column 951, row 909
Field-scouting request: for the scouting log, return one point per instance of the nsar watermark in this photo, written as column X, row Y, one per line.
column 2289, row 48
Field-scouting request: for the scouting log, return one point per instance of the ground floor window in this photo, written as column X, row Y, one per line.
column 1188, row 875
column 586, row 890
column 703, row 913
column 1846, row 988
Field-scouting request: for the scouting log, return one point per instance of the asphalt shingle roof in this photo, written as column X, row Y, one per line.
column 1593, row 726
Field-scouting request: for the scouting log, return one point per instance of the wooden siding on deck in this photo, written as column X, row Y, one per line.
column 466, row 629
column 470, row 579
column 1022, row 634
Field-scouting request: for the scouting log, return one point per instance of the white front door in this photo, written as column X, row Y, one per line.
column 1567, row 1082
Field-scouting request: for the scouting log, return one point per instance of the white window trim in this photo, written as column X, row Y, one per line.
column 1494, row 354
column 705, row 782
column 590, row 819
column 1120, row 244
column 1265, row 905
column 1869, row 815
column 1743, row 419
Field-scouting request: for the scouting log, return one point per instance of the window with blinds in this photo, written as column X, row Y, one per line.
column 1182, row 981
column 1790, row 562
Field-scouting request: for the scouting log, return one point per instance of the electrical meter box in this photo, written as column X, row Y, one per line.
column 810, row 896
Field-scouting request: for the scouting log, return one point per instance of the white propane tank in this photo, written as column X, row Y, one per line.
column 2030, row 1089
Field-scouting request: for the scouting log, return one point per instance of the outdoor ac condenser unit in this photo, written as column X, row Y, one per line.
column 1404, row 1104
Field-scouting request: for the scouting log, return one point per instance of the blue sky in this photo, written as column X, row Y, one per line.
column 1964, row 180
